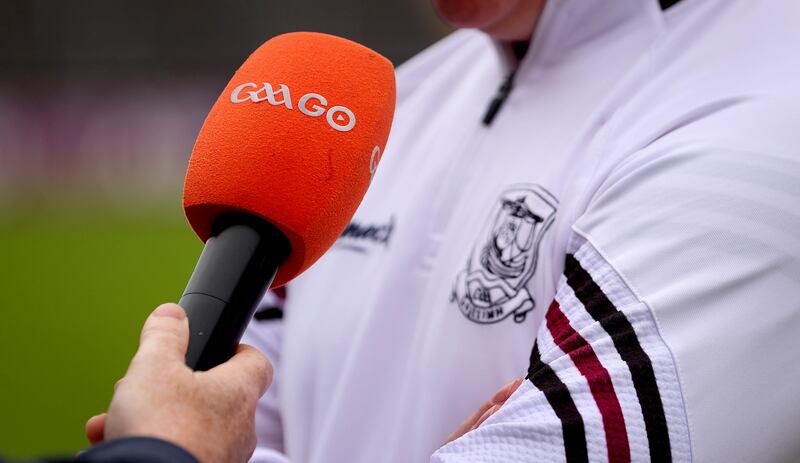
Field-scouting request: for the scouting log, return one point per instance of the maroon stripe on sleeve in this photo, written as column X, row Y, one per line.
column 587, row 362
column 280, row 292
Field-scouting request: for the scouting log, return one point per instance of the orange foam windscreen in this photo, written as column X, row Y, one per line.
column 294, row 138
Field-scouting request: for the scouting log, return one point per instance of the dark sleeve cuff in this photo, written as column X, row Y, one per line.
column 137, row 450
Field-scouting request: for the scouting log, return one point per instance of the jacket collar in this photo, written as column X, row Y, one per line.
column 569, row 25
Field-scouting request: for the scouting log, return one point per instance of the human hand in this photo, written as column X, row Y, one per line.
column 210, row 413
column 486, row 410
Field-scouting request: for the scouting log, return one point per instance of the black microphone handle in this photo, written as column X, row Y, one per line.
column 234, row 271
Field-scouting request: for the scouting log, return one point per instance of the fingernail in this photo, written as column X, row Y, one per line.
column 170, row 310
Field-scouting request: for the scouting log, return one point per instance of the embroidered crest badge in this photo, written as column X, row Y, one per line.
column 493, row 286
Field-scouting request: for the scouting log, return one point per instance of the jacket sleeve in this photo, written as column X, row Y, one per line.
column 673, row 332
column 134, row 450
column 128, row 450
column 265, row 333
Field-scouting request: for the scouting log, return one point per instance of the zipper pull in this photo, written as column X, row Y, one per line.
column 499, row 99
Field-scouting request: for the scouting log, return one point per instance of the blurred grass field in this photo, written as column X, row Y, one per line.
column 77, row 280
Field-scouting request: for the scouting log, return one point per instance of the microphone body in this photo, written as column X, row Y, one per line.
column 279, row 167
column 237, row 265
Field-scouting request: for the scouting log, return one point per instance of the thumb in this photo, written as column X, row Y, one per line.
column 165, row 335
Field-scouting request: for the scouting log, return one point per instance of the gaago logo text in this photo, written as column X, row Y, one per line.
column 340, row 118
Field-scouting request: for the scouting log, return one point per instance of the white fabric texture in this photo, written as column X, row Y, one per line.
column 265, row 454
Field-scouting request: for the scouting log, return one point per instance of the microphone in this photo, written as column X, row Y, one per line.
column 279, row 167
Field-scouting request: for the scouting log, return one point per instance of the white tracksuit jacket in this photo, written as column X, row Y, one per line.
column 625, row 234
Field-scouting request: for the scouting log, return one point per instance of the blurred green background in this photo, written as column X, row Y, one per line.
column 100, row 101
column 79, row 278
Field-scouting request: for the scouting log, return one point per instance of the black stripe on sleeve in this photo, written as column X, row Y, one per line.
column 557, row 394
column 627, row 344
column 269, row 313
column 667, row 3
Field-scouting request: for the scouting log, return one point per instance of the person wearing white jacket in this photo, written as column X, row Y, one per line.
column 599, row 196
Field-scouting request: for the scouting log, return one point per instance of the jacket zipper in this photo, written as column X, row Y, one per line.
column 500, row 97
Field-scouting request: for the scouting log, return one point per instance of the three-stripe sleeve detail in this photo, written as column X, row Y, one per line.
column 605, row 370
column 627, row 344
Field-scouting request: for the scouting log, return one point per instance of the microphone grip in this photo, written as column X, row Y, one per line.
column 235, row 269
